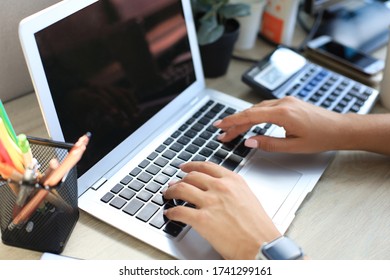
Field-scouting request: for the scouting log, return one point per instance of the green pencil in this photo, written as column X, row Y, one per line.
column 7, row 123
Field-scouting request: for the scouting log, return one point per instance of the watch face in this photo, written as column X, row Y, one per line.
column 282, row 248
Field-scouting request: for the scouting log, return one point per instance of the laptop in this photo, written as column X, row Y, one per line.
column 129, row 72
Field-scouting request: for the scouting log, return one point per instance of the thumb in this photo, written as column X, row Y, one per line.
column 272, row 144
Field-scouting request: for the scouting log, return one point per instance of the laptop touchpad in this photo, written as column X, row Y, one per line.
column 270, row 182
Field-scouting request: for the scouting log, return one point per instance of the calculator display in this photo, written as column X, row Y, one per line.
column 282, row 64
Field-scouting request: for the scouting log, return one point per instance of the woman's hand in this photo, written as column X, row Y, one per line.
column 309, row 128
column 227, row 213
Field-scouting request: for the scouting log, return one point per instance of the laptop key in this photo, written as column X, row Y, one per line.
column 135, row 171
column 159, row 220
column 184, row 140
column 221, row 153
column 197, row 127
column 133, row 206
column 168, row 154
column 212, row 129
column 232, row 162
column 212, row 145
column 153, row 187
column 160, row 148
column 117, row 188
column 242, row 150
column 144, row 163
column 206, row 135
column 177, row 147
column 206, row 152
column 217, row 108
column 126, row 180
column 153, row 169
column 191, row 133
column 192, row 149
column 204, row 120
column 127, row 194
column 118, row 202
column 176, row 134
column 144, row 177
column 136, row 185
column 159, row 199
column 185, row 156
column 173, row 229
column 183, row 127
column 147, row 212
column 170, row 171
column 161, row 179
column 144, row 195
column 199, row 142
column 198, row 158
column 177, row 162
column 161, row 162
column 107, row 197
column 215, row 159
column 169, row 141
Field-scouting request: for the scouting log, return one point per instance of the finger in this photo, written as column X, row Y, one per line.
column 233, row 132
column 250, row 117
column 183, row 214
column 185, row 192
column 205, row 168
column 274, row 144
column 267, row 103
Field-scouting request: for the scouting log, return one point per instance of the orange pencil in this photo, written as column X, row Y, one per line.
column 69, row 162
column 8, row 172
column 53, row 196
column 28, row 209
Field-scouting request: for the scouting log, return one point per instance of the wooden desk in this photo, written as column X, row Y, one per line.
column 347, row 216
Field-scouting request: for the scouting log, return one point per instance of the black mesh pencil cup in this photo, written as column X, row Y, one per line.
column 49, row 226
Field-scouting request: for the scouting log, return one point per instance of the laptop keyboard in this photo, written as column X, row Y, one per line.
column 139, row 194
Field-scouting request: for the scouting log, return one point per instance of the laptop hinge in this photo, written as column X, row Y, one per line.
column 99, row 183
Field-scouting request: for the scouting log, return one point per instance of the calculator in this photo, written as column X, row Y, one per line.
column 285, row 72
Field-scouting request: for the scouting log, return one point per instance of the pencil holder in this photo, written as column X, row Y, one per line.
column 50, row 225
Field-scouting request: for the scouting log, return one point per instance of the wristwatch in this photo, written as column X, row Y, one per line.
column 282, row 248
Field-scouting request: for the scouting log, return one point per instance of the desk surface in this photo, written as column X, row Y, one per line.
column 347, row 215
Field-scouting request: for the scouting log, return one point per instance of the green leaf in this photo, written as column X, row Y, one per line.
column 208, row 34
column 200, row 6
column 234, row 10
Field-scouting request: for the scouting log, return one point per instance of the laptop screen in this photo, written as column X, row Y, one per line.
column 112, row 66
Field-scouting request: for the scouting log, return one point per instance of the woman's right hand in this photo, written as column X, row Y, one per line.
column 309, row 128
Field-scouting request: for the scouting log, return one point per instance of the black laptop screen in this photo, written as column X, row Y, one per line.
column 112, row 66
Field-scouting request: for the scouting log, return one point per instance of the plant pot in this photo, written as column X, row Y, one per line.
column 250, row 24
column 216, row 56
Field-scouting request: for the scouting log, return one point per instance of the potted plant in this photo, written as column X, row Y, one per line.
column 217, row 31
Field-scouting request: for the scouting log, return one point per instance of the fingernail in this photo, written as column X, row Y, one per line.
column 251, row 143
column 217, row 123
column 221, row 136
